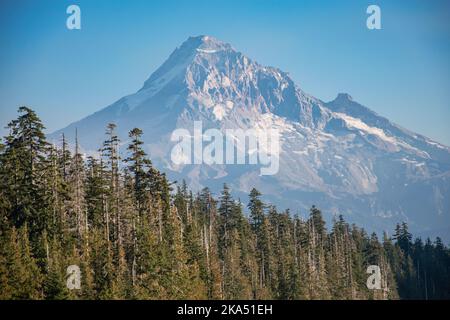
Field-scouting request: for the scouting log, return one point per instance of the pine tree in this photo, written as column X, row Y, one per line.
column 25, row 275
column 259, row 225
column 23, row 162
column 55, row 283
column 205, row 206
column 132, row 237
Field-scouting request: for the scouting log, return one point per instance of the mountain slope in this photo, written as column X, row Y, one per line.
column 339, row 155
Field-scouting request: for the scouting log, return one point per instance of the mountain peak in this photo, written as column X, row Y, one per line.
column 182, row 56
column 343, row 97
column 204, row 43
column 340, row 152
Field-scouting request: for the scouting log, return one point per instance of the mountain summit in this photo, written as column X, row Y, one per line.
column 186, row 54
column 339, row 155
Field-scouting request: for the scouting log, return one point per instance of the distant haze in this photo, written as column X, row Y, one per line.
column 339, row 155
column 401, row 71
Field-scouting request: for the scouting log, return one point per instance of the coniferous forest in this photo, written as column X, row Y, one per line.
column 136, row 235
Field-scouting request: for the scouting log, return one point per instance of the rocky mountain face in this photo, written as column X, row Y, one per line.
column 338, row 155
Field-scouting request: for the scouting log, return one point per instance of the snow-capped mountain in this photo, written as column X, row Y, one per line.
column 339, row 155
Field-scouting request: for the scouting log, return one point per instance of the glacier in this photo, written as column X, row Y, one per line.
column 339, row 155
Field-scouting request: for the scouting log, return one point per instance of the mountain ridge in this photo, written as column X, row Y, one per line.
column 339, row 154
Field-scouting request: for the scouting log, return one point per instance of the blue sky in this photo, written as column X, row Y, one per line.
column 402, row 71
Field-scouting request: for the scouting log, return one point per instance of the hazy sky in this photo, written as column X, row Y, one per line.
column 402, row 71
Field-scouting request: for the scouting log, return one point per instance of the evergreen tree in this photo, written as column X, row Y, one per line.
column 133, row 237
column 23, row 162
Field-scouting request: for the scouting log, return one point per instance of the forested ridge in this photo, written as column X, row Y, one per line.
column 136, row 235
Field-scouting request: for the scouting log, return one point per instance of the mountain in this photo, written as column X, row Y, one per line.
column 338, row 155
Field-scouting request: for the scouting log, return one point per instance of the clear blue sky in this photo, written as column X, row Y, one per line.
column 401, row 71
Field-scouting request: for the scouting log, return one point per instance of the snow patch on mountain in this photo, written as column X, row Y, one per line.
column 358, row 124
column 338, row 155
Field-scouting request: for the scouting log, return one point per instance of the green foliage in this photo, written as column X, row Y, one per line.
column 133, row 237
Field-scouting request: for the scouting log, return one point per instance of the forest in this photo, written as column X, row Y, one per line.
column 136, row 235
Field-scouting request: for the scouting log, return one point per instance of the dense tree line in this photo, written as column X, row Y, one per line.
column 135, row 235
